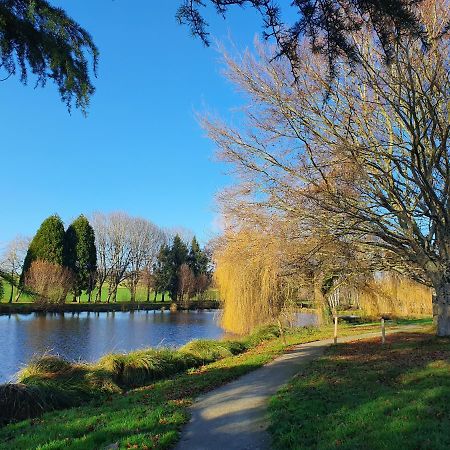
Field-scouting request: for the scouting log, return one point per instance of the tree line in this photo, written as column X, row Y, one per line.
column 97, row 256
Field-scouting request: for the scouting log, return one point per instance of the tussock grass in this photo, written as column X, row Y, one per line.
column 146, row 366
column 50, row 383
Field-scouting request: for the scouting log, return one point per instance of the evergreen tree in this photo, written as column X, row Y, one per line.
column 47, row 244
column 167, row 268
column 161, row 271
column 38, row 37
column 80, row 254
column 198, row 260
column 178, row 255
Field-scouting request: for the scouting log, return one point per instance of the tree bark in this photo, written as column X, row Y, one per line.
column 11, row 294
column 441, row 309
column 323, row 309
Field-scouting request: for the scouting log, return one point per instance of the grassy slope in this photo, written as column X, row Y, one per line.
column 148, row 417
column 364, row 396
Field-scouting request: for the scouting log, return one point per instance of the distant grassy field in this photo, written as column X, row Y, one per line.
column 364, row 396
column 123, row 295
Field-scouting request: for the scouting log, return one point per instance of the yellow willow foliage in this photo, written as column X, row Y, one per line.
column 248, row 277
column 395, row 295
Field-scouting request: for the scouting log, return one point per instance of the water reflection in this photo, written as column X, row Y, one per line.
column 87, row 336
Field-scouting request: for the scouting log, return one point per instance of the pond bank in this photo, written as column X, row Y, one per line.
column 151, row 416
column 29, row 308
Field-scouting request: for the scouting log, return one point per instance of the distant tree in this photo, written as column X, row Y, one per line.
column 2, row 290
column 12, row 263
column 80, row 255
column 186, row 283
column 38, row 37
column 47, row 244
column 197, row 259
column 161, row 271
column 178, row 255
column 49, row 282
column 145, row 239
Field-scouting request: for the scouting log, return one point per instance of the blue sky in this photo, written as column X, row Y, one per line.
column 140, row 150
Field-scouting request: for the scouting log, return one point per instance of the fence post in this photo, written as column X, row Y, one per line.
column 383, row 331
column 335, row 328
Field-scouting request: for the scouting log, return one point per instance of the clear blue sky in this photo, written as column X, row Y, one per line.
column 140, row 150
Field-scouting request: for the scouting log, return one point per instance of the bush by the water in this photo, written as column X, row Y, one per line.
column 49, row 382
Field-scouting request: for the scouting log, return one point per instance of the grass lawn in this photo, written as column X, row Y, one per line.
column 364, row 396
column 123, row 295
column 151, row 416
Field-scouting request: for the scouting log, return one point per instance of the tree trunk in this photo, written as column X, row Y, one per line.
column 148, row 293
column 11, row 294
column 89, row 296
column 323, row 309
column 98, row 297
column 441, row 309
column 162, row 296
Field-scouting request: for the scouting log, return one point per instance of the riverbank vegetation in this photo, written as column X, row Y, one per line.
column 149, row 416
column 360, row 394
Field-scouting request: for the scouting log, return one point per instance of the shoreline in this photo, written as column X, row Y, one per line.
column 29, row 308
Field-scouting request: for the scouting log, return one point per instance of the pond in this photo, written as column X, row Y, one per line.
column 87, row 336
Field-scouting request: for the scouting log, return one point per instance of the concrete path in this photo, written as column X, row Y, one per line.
column 233, row 417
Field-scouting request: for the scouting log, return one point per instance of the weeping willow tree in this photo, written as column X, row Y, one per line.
column 249, row 277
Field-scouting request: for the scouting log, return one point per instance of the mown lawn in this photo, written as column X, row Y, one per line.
column 123, row 295
column 148, row 417
column 364, row 396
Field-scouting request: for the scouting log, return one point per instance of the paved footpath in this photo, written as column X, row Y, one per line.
column 234, row 416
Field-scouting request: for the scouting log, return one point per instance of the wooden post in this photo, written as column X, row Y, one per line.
column 383, row 331
column 335, row 328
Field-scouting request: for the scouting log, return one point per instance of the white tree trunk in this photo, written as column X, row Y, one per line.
column 441, row 309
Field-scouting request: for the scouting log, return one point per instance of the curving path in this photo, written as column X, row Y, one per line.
column 233, row 417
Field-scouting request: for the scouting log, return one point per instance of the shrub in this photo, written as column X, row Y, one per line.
column 50, row 282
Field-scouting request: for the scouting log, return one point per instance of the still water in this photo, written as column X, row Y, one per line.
column 87, row 336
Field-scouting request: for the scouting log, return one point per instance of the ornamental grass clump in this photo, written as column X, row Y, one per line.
column 146, row 366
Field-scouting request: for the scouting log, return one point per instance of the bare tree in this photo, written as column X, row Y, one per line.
column 12, row 263
column 367, row 160
column 126, row 247
column 186, row 283
column 49, row 282
column 145, row 241
column 100, row 224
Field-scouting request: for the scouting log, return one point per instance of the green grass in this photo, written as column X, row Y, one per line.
column 123, row 295
column 364, row 396
column 151, row 416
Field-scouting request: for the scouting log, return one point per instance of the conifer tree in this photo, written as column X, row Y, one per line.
column 197, row 259
column 80, row 254
column 161, row 271
column 47, row 244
